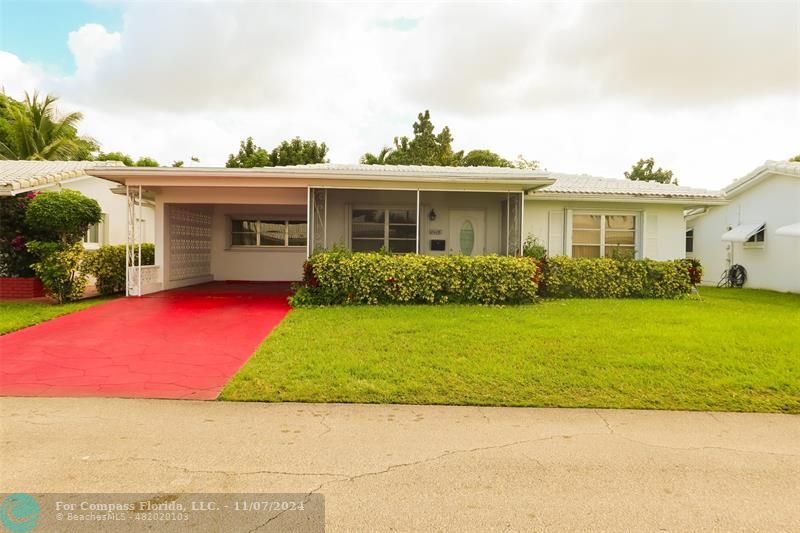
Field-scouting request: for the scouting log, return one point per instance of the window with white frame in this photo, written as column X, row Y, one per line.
column 268, row 232
column 94, row 234
column 690, row 240
column 392, row 229
column 603, row 235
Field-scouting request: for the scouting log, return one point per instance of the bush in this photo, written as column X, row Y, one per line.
column 342, row 277
column 569, row 277
column 15, row 258
column 532, row 247
column 107, row 265
column 59, row 268
column 62, row 216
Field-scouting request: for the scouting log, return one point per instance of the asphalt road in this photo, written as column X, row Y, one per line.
column 423, row 468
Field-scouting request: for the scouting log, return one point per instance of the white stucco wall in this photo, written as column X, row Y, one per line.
column 774, row 201
column 114, row 206
column 660, row 227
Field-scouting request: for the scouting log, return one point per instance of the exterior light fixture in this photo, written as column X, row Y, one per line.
column 432, row 215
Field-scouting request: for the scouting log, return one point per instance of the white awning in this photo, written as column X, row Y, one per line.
column 792, row 230
column 742, row 232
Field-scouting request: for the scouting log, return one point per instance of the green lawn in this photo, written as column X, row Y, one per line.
column 736, row 350
column 16, row 315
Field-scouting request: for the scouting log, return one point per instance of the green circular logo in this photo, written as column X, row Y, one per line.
column 19, row 512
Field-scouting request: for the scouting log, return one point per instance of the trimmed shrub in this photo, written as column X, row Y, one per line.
column 62, row 216
column 341, row 277
column 59, row 268
column 569, row 277
column 107, row 265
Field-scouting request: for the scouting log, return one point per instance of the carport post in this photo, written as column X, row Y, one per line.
column 418, row 222
column 127, row 239
column 139, row 227
column 309, row 222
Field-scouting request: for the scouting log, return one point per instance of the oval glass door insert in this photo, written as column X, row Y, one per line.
column 467, row 238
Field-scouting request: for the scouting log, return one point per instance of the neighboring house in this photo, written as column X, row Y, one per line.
column 759, row 228
column 262, row 223
column 19, row 177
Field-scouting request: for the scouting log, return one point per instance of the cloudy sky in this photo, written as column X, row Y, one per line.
column 710, row 89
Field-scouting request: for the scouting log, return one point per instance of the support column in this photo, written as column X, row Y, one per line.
column 419, row 224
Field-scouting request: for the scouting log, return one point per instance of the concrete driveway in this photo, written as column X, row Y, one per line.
column 184, row 343
column 408, row 468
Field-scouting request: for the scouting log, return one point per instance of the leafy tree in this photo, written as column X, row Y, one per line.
column 795, row 159
column 34, row 129
column 425, row 148
column 298, row 152
column 146, row 162
column 484, row 158
column 643, row 171
column 380, row 159
column 429, row 148
column 115, row 156
column 250, row 155
column 177, row 163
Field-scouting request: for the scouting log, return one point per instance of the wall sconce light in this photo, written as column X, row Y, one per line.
column 432, row 215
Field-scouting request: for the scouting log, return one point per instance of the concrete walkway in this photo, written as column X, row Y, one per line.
column 410, row 468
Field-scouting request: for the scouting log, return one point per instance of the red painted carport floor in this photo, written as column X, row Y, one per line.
column 185, row 343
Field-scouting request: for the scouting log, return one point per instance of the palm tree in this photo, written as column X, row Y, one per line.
column 37, row 131
column 380, row 159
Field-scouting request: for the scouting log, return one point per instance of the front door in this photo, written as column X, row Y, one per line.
column 467, row 232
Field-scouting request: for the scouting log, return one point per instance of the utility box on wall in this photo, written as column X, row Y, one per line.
column 438, row 245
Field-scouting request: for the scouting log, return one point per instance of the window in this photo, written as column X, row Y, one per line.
column 94, row 235
column 389, row 229
column 268, row 233
column 757, row 237
column 690, row 240
column 603, row 235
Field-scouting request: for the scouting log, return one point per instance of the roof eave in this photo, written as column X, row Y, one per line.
column 640, row 198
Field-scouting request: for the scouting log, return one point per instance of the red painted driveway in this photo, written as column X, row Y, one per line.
column 184, row 343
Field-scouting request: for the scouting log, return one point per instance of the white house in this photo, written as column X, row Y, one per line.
column 19, row 177
column 758, row 228
column 261, row 224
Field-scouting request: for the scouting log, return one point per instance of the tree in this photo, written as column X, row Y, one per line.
column 425, row 148
column 34, row 129
column 643, row 171
column 795, row 159
column 484, row 158
column 177, row 163
column 146, row 162
column 430, row 148
column 250, row 155
column 115, row 156
column 298, row 152
column 380, row 159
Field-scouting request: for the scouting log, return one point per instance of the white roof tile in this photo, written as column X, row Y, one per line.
column 788, row 168
column 16, row 175
column 571, row 184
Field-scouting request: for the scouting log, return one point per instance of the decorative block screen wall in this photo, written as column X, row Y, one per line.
column 189, row 242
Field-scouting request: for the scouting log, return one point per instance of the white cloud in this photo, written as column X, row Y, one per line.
column 89, row 45
column 709, row 89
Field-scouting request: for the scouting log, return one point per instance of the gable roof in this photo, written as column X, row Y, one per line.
column 783, row 168
column 17, row 176
column 591, row 187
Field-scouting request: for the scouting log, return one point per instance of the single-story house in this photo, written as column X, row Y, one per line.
column 262, row 223
column 758, row 228
column 19, row 177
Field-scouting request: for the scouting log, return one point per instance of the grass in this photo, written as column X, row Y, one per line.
column 736, row 350
column 16, row 315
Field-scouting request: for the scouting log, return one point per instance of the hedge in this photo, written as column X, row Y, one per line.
column 568, row 277
column 107, row 265
column 342, row 277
